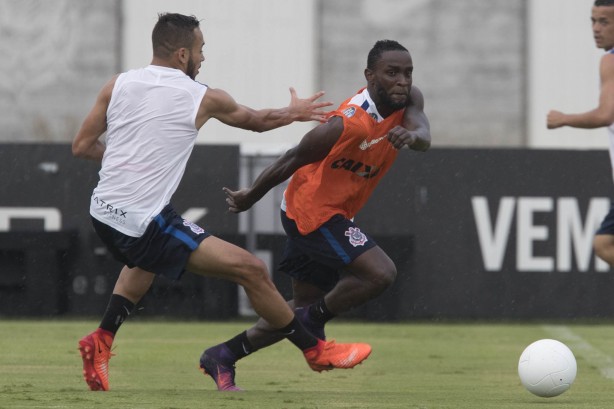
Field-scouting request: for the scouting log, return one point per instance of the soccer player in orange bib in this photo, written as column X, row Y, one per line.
column 333, row 264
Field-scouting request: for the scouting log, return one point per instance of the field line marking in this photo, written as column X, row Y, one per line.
column 580, row 346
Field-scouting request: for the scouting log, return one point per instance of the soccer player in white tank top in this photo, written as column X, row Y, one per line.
column 151, row 117
column 602, row 17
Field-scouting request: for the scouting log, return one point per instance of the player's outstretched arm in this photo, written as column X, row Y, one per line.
column 314, row 147
column 415, row 133
column 220, row 105
column 599, row 117
column 86, row 143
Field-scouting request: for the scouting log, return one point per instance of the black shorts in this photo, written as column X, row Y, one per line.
column 163, row 249
column 607, row 225
column 318, row 257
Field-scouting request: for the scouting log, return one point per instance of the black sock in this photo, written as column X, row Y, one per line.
column 298, row 335
column 318, row 312
column 117, row 311
column 240, row 346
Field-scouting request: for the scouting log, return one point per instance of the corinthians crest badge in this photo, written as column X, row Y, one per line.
column 357, row 238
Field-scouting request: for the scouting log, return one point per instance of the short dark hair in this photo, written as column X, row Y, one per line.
column 604, row 2
column 172, row 32
column 380, row 46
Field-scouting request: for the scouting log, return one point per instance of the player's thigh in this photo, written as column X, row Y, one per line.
column 603, row 242
column 373, row 264
column 215, row 257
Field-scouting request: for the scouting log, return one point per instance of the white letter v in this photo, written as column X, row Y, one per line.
column 493, row 242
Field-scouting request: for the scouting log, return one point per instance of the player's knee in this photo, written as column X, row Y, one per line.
column 390, row 275
column 253, row 272
column 384, row 277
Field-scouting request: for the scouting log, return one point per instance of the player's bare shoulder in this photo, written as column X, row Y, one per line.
column 416, row 98
column 214, row 104
column 606, row 66
column 107, row 89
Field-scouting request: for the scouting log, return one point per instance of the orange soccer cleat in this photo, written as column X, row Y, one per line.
column 95, row 350
column 328, row 355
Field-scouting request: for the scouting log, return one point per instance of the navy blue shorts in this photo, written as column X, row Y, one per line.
column 318, row 257
column 163, row 249
column 607, row 225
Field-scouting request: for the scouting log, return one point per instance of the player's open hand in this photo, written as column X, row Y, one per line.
column 237, row 200
column 307, row 109
column 400, row 137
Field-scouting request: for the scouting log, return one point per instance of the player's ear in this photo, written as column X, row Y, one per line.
column 183, row 54
column 368, row 75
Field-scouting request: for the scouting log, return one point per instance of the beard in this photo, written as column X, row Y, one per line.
column 191, row 69
column 385, row 99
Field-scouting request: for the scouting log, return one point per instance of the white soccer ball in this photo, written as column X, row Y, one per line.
column 547, row 368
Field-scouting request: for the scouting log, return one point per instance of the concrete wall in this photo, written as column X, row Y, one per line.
column 563, row 71
column 56, row 55
column 468, row 57
column 490, row 70
column 255, row 50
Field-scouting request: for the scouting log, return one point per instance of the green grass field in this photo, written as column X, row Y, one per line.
column 413, row 365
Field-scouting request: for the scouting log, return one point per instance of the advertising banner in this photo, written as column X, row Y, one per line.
column 498, row 233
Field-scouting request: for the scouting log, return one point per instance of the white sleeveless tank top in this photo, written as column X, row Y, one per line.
column 150, row 135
